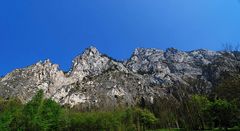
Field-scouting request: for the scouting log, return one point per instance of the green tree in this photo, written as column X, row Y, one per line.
column 143, row 118
column 40, row 114
column 10, row 109
column 198, row 105
column 222, row 113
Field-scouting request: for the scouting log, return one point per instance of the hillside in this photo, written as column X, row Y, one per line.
column 99, row 82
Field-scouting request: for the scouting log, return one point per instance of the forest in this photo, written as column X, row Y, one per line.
column 219, row 110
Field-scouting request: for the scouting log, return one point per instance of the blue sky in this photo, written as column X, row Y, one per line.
column 33, row 30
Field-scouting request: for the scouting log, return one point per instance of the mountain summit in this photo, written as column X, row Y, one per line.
column 97, row 81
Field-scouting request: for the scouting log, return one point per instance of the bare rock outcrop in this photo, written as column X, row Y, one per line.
column 98, row 81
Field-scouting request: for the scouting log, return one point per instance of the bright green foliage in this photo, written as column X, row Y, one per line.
column 129, row 119
column 145, row 117
column 198, row 106
column 47, row 115
column 199, row 113
column 93, row 121
column 200, row 102
column 9, row 111
column 223, row 113
column 38, row 114
column 41, row 114
column 194, row 113
column 32, row 108
column 204, row 113
column 44, row 114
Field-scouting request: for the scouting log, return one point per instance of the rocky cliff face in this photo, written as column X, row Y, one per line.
column 97, row 81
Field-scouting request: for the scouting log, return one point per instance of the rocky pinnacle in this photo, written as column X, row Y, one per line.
column 97, row 81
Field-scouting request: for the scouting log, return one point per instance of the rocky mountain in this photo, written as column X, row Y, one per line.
column 98, row 81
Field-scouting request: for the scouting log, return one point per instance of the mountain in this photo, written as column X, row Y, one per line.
column 98, row 81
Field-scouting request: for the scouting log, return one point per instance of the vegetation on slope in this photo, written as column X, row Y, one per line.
column 45, row 114
column 219, row 110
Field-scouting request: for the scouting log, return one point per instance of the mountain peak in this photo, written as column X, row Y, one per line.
column 96, row 78
column 88, row 55
column 91, row 51
column 90, row 62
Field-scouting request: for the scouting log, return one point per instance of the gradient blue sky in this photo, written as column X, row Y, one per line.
column 33, row 30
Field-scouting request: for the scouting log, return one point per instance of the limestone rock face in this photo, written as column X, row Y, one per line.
column 98, row 81
column 92, row 63
column 24, row 83
column 167, row 68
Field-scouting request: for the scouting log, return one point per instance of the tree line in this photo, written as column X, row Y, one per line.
column 220, row 109
column 196, row 113
column 45, row 114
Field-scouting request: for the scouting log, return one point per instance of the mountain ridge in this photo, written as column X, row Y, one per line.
column 96, row 78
